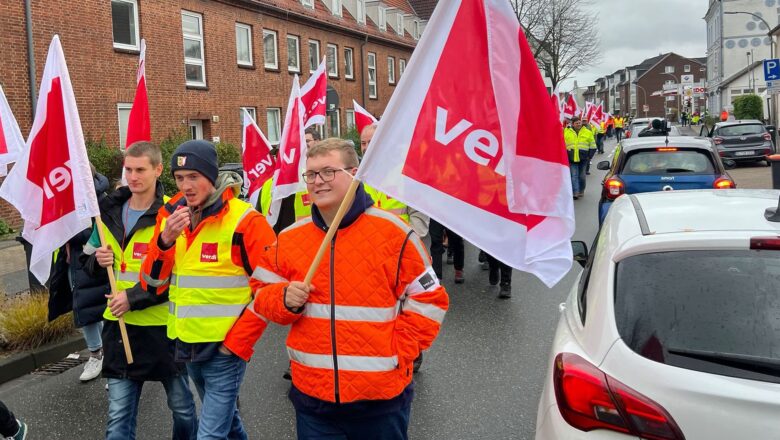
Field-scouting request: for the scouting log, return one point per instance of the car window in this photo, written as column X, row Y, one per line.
column 712, row 311
column 665, row 162
column 582, row 289
column 741, row 130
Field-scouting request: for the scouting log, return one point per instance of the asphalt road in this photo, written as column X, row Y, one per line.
column 481, row 380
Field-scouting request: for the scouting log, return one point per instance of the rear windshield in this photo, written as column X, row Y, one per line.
column 668, row 162
column 741, row 130
column 711, row 311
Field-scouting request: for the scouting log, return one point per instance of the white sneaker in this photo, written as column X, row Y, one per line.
column 92, row 369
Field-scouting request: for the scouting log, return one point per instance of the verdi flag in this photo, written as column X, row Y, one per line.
column 11, row 140
column 314, row 97
column 256, row 156
column 362, row 117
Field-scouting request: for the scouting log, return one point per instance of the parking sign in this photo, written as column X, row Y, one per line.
column 771, row 70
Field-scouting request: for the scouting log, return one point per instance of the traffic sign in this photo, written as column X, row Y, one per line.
column 686, row 79
column 771, row 69
column 645, row 108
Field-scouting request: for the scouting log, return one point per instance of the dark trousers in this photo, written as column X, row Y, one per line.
column 392, row 426
column 436, row 230
column 600, row 142
column 498, row 268
column 8, row 425
column 591, row 153
column 618, row 134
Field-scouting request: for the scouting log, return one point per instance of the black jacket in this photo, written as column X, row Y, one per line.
column 151, row 348
column 70, row 288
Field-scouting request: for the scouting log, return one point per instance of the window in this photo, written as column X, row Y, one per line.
column 274, row 125
column 351, row 119
column 372, row 75
column 332, row 60
column 687, row 68
column 401, row 67
column 314, row 55
column 293, row 53
column 382, row 13
column 270, row 50
column 669, row 69
column 349, row 63
column 416, row 30
column 334, row 123
column 391, row 70
column 244, row 44
column 124, row 19
column 360, row 11
column 123, row 113
column 308, row 3
column 658, row 162
column 194, row 61
column 399, row 24
column 336, row 7
column 252, row 112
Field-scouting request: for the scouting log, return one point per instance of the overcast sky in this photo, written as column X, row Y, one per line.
column 633, row 30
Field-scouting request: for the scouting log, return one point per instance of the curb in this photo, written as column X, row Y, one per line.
column 23, row 363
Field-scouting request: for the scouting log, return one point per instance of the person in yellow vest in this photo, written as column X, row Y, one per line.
column 129, row 216
column 601, row 133
column 619, row 123
column 204, row 253
column 594, row 128
column 579, row 141
column 301, row 206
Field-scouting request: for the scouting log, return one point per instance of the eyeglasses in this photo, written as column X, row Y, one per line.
column 327, row 175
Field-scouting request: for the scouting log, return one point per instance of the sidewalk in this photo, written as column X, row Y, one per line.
column 13, row 268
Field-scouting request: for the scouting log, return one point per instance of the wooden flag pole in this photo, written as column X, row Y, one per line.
column 112, row 282
column 334, row 226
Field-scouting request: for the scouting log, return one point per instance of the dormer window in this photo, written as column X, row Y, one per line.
column 399, row 24
column 308, row 3
column 382, row 18
column 360, row 15
column 335, row 7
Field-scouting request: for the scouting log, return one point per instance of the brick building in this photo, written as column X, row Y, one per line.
column 208, row 59
column 668, row 71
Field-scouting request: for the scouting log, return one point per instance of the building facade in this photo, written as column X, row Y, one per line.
column 665, row 83
column 207, row 61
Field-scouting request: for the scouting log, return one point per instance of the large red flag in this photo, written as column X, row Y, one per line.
column 259, row 165
column 11, row 140
column 472, row 112
column 138, row 125
column 362, row 117
column 570, row 108
column 556, row 101
column 51, row 184
column 314, row 96
column 291, row 156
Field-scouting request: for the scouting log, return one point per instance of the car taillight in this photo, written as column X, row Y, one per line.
column 614, row 188
column 765, row 243
column 724, row 183
column 666, row 149
column 628, row 134
column 717, row 140
column 767, row 137
column 589, row 399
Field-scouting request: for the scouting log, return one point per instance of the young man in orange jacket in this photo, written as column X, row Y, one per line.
column 373, row 305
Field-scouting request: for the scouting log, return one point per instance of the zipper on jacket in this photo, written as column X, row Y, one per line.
column 333, row 319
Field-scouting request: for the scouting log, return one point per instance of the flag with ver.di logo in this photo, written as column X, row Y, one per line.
column 11, row 140
column 471, row 138
column 256, row 157
column 51, row 184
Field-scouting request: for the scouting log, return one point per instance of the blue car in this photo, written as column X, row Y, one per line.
column 662, row 164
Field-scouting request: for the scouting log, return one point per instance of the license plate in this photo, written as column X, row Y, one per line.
column 744, row 153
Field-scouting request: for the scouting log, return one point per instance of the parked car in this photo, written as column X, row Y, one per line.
column 671, row 330
column 661, row 164
column 639, row 124
column 743, row 140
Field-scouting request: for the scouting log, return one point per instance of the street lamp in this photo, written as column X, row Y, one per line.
column 644, row 96
column 678, row 93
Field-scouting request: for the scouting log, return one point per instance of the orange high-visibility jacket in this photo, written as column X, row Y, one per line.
column 376, row 304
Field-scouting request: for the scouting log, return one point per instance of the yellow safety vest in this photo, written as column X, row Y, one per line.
column 208, row 292
column 578, row 141
column 618, row 122
column 133, row 255
column 382, row 201
column 602, row 128
column 302, row 201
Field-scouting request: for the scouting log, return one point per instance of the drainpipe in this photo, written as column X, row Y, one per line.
column 362, row 71
column 30, row 56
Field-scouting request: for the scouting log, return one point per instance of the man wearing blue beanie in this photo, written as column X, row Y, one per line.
column 204, row 251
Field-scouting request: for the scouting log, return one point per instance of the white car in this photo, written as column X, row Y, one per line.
column 673, row 328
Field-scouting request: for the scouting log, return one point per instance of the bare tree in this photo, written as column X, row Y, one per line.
column 563, row 35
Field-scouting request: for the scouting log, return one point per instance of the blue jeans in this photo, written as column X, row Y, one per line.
column 577, row 170
column 392, row 426
column 218, row 381
column 123, row 397
column 92, row 336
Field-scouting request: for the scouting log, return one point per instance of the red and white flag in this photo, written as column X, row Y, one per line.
column 598, row 114
column 473, row 132
column 570, row 108
column 556, row 101
column 51, row 184
column 291, row 156
column 138, row 125
column 314, row 95
column 362, row 117
column 11, row 140
column 259, row 165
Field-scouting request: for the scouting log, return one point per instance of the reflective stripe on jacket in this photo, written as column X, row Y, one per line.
column 576, row 141
column 389, row 204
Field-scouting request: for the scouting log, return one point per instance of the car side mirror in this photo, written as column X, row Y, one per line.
column 603, row 165
column 580, row 251
column 729, row 164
